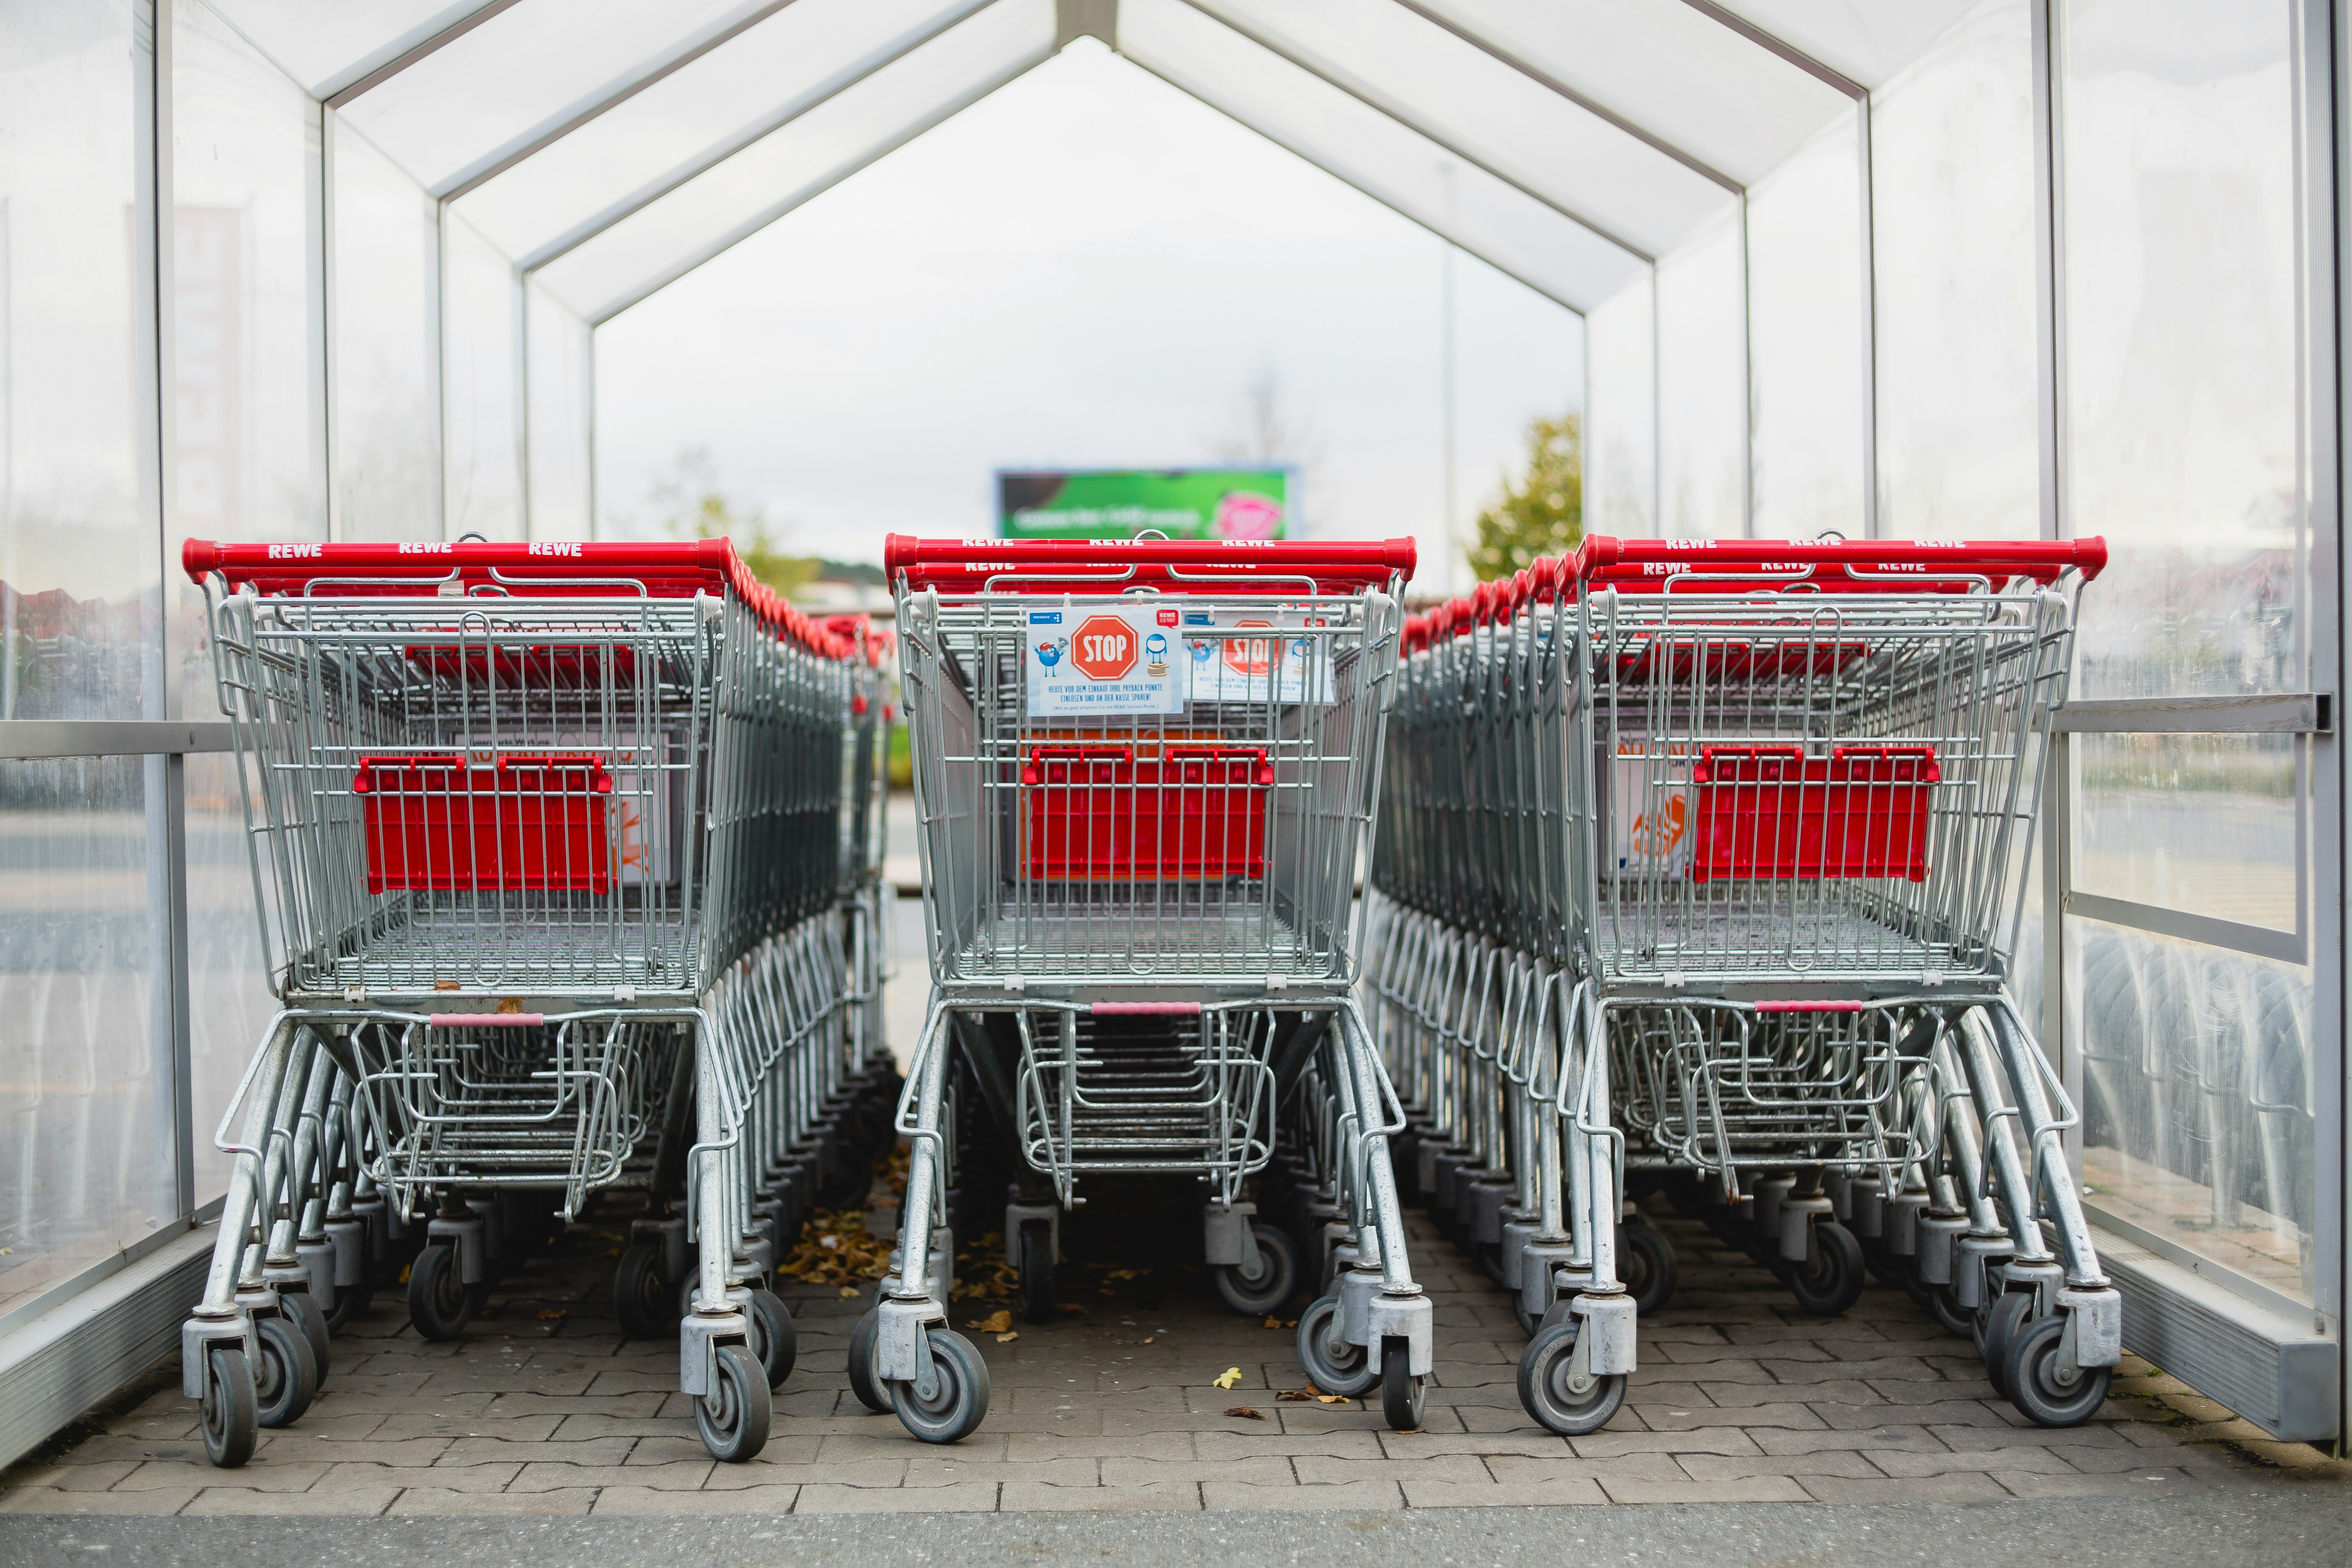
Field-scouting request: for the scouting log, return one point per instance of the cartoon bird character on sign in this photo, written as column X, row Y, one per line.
column 1155, row 656
column 1049, row 653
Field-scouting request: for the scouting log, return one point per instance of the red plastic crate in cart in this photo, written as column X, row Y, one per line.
column 1096, row 813
column 532, row 823
column 1773, row 812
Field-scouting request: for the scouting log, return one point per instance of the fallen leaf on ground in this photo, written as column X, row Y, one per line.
column 847, row 1292
column 553, row 1314
column 1008, row 1336
column 1147, row 1339
column 1068, row 1307
column 1230, row 1376
column 1123, row 1274
column 994, row 1323
column 1245, row 1410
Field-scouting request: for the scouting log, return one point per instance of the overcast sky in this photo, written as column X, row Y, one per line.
column 1088, row 268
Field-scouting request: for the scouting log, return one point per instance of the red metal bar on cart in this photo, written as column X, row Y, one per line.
column 484, row 1020
column 1076, row 565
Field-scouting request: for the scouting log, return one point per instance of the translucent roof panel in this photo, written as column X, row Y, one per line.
column 1501, row 119
column 1866, row 40
column 524, row 74
column 679, row 230
column 1386, row 160
column 1665, row 66
column 694, row 116
column 326, row 48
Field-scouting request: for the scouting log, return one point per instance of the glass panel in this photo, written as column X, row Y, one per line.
column 229, row 999
column 1667, row 67
column 384, row 293
column 1502, row 226
column 482, row 387
column 1864, row 40
column 1703, row 388
column 1620, row 446
column 523, row 74
column 2183, row 329
column 562, row 410
column 1537, row 139
column 2197, row 1097
column 2202, row 823
column 1807, row 368
column 80, row 561
column 326, row 48
column 1952, row 213
column 725, row 100
column 85, row 1119
column 788, row 166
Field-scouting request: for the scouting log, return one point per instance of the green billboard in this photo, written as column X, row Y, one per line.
column 1120, row 503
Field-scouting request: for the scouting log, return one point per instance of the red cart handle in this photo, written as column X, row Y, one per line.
column 1882, row 565
column 1171, row 565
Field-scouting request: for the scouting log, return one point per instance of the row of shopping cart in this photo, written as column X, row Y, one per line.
column 567, row 861
column 1701, row 866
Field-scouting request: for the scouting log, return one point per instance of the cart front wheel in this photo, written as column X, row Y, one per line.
column 1402, row 1394
column 643, row 1301
column 1267, row 1287
column 1036, row 1272
column 304, row 1309
column 2048, row 1394
column 1830, row 1278
column 232, row 1411
column 732, row 1419
column 1553, row 1393
column 1647, row 1267
column 775, row 1341
column 288, row 1379
column 1344, row 1368
column 958, row 1401
column 439, row 1303
column 1998, row 1327
column 863, row 1380
column 350, row 1301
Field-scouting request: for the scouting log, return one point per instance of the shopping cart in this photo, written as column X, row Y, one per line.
column 1144, row 771
column 549, row 848
column 1788, row 854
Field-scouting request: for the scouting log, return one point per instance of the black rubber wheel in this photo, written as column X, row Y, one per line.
column 1996, row 1328
column 1830, row 1278
column 863, row 1382
column 1647, row 1267
column 439, row 1303
column 1036, row 1264
column 1402, row 1394
column 1945, row 1306
column 1886, row 1265
column 1529, row 1322
column 2034, row 1386
column 958, row 1401
column 732, row 1419
column 1346, row 1370
column 775, row 1343
column 1548, row 1393
column 303, row 1308
column 643, row 1301
column 351, row 1303
column 1275, row 1278
column 288, row 1379
column 232, row 1411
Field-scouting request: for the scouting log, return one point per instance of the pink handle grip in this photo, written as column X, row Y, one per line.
column 1144, row 1009
column 485, row 1020
column 1809, row 1006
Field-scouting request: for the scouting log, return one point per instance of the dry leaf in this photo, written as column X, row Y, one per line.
column 1245, row 1410
column 1147, row 1339
column 1068, row 1307
column 847, row 1292
column 1008, row 1336
column 1123, row 1274
column 994, row 1323
column 1274, row 1322
column 1230, row 1376
column 553, row 1314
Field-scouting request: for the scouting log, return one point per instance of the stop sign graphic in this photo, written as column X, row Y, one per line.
column 1249, row 655
column 1103, row 647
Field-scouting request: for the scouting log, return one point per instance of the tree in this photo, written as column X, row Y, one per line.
column 692, row 506
column 1543, row 513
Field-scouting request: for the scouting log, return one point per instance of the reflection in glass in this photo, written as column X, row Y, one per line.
column 2198, row 1097
column 387, row 358
column 2200, row 823
column 1952, row 225
column 482, row 387
column 1703, row 386
column 229, row 1001
column 1621, row 445
column 562, row 389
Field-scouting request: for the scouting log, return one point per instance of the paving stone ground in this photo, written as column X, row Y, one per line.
column 543, row 1409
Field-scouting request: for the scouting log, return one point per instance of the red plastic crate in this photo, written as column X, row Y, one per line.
column 1733, row 661
column 1771, row 812
column 1096, row 813
column 523, row 824
column 563, row 666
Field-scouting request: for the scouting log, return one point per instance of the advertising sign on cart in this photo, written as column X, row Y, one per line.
column 1103, row 661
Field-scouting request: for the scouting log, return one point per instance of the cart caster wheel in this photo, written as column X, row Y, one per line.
column 351, row 1303
column 288, row 1378
column 1885, row 1265
column 1830, row 1278
column 1647, row 1267
column 303, row 1308
column 863, row 1381
column 1529, row 1322
column 732, row 1418
column 439, row 1303
column 1268, row 1289
column 2040, row 1389
column 1402, row 1394
column 641, row 1299
column 1944, row 1308
column 1550, row 1390
column 1996, row 1328
column 774, row 1341
column 1036, row 1262
column 958, row 1401
column 1346, row 1370
column 232, row 1411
